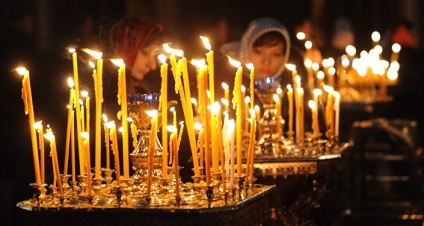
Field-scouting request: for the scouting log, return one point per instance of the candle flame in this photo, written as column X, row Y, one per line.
column 317, row 92
column 118, row 62
column 225, row 102
column 252, row 113
column 193, row 100
column 92, row 64
column 249, row 66
column 320, row 74
column 170, row 50
column 308, row 44
column 312, row 104
column 104, row 118
column 198, row 126
column 162, row 58
column 328, row 88
column 247, row 100
column 95, row 54
column 291, row 67
column 233, row 62
column 300, row 35
column 214, row 107
column 49, row 135
column 206, row 42
column 84, row 93
column 375, row 36
column 198, row 63
column 289, row 87
column 110, row 124
column 279, row 91
column 225, row 86
column 351, row 50
column 85, row 135
column 276, row 97
column 71, row 82
column 152, row 113
column 21, row 70
column 72, row 50
column 396, row 47
column 171, row 128
column 38, row 125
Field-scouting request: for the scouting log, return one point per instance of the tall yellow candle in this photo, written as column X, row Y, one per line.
column 78, row 111
column 70, row 125
column 107, row 141
column 239, row 110
column 278, row 114
column 29, row 110
column 290, row 102
column 151, row 154
column 226, row 96
column 315, row 126
column 114, row 140
column 164, row 114
column 73, row 162
column 86, row 144
column 39, row 126
column 55, row 161
column 214, row 141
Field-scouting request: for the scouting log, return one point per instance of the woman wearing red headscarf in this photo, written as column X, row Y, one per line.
column 137, row 40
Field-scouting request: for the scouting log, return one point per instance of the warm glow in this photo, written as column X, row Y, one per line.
column 351, row 50
column 49, row 136
column 152, row 113
column 206, row 42
column 171, row 128
column 233, row 62
column 317, row 92
column 21, row 70
column 289, row 87
column 308, row 63
column 198, row 63
column 71, row 82
column 198, row 126
column 118, row 62
column 193, row 100
column 214, row 107
column 312, row 104
column 84, row 93
column 71, row 50
column 300, row 35
column 279, row 91
column 170, row 50
column 308, row 44
column 375, row 36
column 162, row 58
column 247, row 100
column 225, row 102
column 315, row 66
column 104, row 118
column 38, row 125
column 85, row 135
column 276, row 98
column 396, row 47
column 91, row 64
column 328, row 89
column 95, row 54
column 291, row 67
column 110, row 124
column 225, row 86
column 331, row 71
column 320, row 75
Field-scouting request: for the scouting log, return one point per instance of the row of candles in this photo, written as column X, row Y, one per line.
column 218, row 146
column 79, row 120
column 368, row 68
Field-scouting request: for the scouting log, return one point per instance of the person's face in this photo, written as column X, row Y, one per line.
column 267, row 60
column 144, row 62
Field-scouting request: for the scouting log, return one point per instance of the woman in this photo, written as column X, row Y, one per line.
column 137, row 40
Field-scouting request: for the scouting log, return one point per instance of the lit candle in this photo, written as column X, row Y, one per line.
column 300, row 115
column 151, row 153
column 39, row 127
column 134, row 134
column 278, row 114
column 29, row 110
column 86, row 144
column 258, row 118
column 315, row 127
column 210, row 63
column 70, row 124
column 290, row 102
column 164, row 114
column 77, row 110
column 53, row 151
column 395, row 52
column 226, row 95
column 337, row 112
column 107, row 141
column 98, row 83
column 329, row 113
column 237, row 101
column 231, row 134
column 114, row 140
column 214, row 109
column 122, row 100
column 251, row 149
